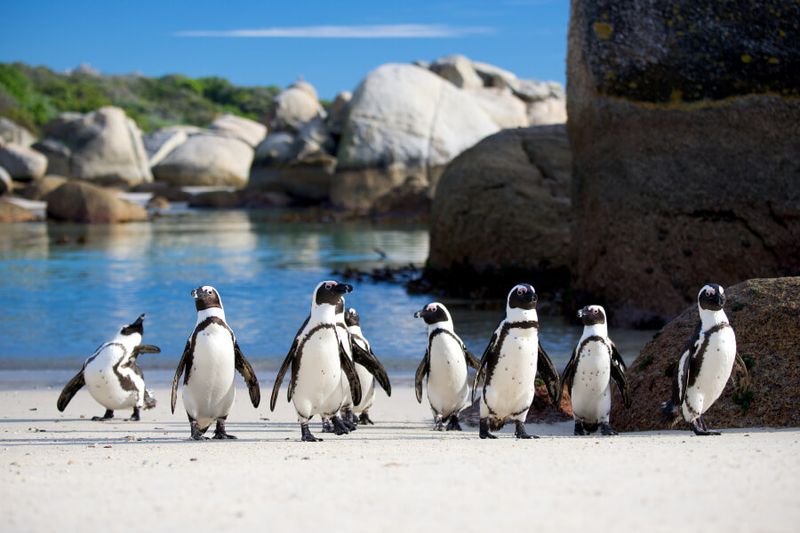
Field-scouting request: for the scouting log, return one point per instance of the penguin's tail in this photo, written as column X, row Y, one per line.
column 149, row 399
column 670, row 413
column 496, row 424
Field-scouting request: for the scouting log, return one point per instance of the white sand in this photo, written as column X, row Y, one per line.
column 75, row 474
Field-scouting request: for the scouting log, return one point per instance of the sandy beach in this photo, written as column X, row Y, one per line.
column 64, row 472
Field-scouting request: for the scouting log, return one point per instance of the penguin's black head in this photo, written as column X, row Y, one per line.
column 137, row 326
column 331, row 292
column 433, row 313
column 592, row 314
column 711, row 297
column 206, row 297
column 351, row 317
column 522, row 296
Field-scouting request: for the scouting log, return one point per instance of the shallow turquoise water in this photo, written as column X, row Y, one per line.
column 61, row 300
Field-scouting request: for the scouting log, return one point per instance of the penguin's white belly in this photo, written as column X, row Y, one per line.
column 105, row 386
column 367, row 389
column 210, row 392
column 513, row 382
column 318, row 389
column 715, row 370
column 447, row 378
column 591, row 393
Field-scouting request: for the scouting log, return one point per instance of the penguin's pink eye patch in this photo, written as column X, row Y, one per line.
column 521, row 291
column 431, row 308
column 329, row 285
column 710, row 292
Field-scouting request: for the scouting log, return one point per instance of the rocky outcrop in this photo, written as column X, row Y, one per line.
column 458, row 70
column 294, row 107
column 37, row 190
column 683, row 173
column 216, row 200
column 504, row 208
column 78, row 201
column 6, row 185
column 103, row 147
column 160, row 143
column 22, row 163
column 13, row 213
column 207, row 159
column 11, row 132
column 244, row 129
column 763, row 313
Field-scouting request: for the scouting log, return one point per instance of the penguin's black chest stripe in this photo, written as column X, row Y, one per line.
column 494, row 355
column 296, row 361
column 438, row 332
column 697, row 359
column 593, row 338
column 200, row 327
column 124, row 381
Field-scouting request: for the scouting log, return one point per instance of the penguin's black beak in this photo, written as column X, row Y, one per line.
column 419, row 313
column 342, row 288
column 582, row 312
column 195, row 292
column 138, row 322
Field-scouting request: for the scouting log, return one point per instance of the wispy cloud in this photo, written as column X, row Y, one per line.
column 381, row 31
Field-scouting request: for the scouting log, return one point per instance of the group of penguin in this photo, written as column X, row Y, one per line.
column 334, row 370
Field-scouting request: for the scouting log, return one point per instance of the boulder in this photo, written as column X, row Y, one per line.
column 545, row 101
column 22, row 163
column 160, row 143
column 403, row 121
column 6, row 185
column 493, row 76
column 504, row 207
column 505, row 110
column 458, row 70
column 216, row 200
column 11, row 132
column 244, row 129
column 411, row 198
column 164, row 190
column 683, row 173
column 294, row 107
column 308, row 179
column 79, row 201
column 207, row 159
column 276, row 149
column 103, row 146
column 37, row 190
column 158, row 203
column 337, row 114
column 10, row 212
column 763, row 314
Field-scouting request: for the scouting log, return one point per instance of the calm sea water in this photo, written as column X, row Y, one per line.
column 66, row 288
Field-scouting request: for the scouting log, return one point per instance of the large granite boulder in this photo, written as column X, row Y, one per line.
column 207, row 159
column 294, row 107
column 160, row 143
column 764, row 315
column 6, row 185
column 403, row 121
column 685, row 147
column 337, row 114
column 12, row 132
column 79, row 201
column 244, row 129
column 37, row 190
column 505, row 109
column 502, row 211
column 10, row 212
column 458, row 70
column 22, row 163
column 103, row 146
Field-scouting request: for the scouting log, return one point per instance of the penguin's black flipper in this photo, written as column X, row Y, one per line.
column 470, row 358
column 184, row 363
column 682, row 373
column 368, row 360
column 244, row 367
column 349, row 370
column 481, row 370
column 279, row 378
column 568, row 375
column 419, row 376
column 618, row 375
column 144, row 348
column 70, row 389
column 547, row 371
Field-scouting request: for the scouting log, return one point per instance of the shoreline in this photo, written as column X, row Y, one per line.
column 64, row 472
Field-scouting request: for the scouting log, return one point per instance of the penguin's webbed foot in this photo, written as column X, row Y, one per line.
column 220, row 433
column 339, row 427
column 108, row 415
column 327, row 427
column 197, row 433
column 306, row 435
column 580, row 429
column 438, row 423
column 135, row 415
column 520, row 433
column 700, row 429
column 364, row 419
column 453, row 424
column 349, row 419
column 483, row 430
column 606, row 429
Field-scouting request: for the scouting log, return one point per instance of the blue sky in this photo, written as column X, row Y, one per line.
column 284, row 40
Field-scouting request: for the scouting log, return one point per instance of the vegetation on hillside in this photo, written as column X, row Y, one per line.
column 32, row 96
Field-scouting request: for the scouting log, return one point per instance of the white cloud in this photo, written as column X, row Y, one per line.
column 383, row 31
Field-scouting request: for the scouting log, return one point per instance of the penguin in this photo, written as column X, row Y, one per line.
column 114, row 379
column 446, row 366
column 706, row 363
column 368, row 369
column 346, row 411
column 209, row 359
column 588, row 374
column 318, row 360
column 510, row 364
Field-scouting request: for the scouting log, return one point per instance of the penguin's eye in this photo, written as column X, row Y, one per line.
column 431, row 308
column 595, row 311
column 521, row 291
column 329, row 286
column 709, row 292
